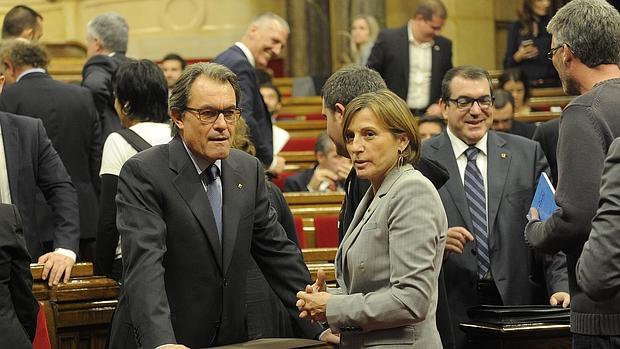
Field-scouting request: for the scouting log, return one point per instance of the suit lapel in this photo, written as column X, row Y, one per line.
column 189, row 186
column 233, row 188
column 454, row 186
column 12, row 154
column 362, row 216
column 404, row 41
column 498, row 163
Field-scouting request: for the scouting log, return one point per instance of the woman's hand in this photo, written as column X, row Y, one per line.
column 525, row 52
column 313, row 305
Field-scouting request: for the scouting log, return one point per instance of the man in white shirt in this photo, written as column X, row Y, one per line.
column 413, row 59
column 264, row 39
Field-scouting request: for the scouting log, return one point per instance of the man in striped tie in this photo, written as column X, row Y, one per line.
column 493, row 177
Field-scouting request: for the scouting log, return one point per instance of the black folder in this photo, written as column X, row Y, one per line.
column 519, row 314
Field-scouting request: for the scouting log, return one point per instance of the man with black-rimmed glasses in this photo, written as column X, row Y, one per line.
column 493, row 177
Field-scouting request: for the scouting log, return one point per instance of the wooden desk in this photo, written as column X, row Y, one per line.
column 530, row 336
column 78, row 313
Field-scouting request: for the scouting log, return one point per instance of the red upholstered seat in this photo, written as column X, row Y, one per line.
column 42, row 338
column 299, row 228
column 300, row 144
column 326, row 231
column 279, row 181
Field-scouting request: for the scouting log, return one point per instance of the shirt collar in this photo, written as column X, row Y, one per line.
column 28, row 71
column 459, row 147
column 415, row 42
column 199, row 163
column 246, row 51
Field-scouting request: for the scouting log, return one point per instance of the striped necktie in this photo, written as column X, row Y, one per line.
column 476, row 200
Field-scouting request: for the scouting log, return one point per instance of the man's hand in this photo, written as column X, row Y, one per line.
column 54, row 266
column 318, row 286
column 534, row 214
column 344, row 169
column 329, row 337
column 322, row 175
column 456, row 240
column 560, row 298
column 278, row 166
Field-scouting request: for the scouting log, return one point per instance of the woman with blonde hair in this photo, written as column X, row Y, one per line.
column 388, row 263
column 364, row 32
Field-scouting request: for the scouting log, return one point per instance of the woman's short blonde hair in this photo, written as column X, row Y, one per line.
column 395, row 115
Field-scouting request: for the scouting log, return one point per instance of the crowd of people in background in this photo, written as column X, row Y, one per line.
column 159, row 173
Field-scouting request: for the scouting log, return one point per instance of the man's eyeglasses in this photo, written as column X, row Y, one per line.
column 552, row 51
column 465, row 103
column 209, row 116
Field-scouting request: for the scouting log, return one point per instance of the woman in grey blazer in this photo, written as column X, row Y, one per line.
column 388, row 263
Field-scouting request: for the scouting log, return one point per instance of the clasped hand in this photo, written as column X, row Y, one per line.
column 312, row 302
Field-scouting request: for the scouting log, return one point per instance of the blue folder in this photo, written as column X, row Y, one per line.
column 544, row 200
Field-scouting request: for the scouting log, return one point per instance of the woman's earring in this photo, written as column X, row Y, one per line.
column 125, row 108
column 401, row 159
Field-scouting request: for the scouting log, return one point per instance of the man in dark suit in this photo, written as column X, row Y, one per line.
column 330, row 171
column 492, row 181
column 18, row 307
column 504, row 116
column 190, row 215
column 70, row 119
column 413, row 59
column 263, row 40
column 29, row 164
column 106, row 44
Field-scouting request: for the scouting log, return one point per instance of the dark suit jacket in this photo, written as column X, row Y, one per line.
column 70, row 119
column 18, row 307
column 33, row 166
column 299, row 181
column 97, row 77
column 180, row 284
column 390, row 57
column 254, row 111
column 523, row 129
column 514, row 165
column 547, row 135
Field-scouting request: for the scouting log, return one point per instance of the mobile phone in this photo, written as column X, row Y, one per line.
column 526, row 43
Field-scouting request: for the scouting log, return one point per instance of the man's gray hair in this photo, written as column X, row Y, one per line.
column 268, row 17
column 180, row 93
column 111, row 29
column 591, row 28
column 348, row 83
column 323, row 144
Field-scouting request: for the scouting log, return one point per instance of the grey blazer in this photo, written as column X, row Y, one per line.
column 388, row 264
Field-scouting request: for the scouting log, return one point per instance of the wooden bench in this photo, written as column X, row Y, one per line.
column 321, row 258
column 303, row 128
column 537, row 116
column 545, row 103
column 78, row 313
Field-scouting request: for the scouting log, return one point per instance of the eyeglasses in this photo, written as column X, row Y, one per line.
column 465, row 103
column 552, row 51
column 209, row 116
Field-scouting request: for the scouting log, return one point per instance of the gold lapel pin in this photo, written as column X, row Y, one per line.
column 503, row 155
column 239, row 185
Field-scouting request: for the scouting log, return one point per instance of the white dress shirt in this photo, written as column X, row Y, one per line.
column 420, row 64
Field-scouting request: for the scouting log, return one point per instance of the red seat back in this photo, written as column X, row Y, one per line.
column 300, row 144
column 326, row 231
column 279, row 181
column 299, row 228
column 41, row 338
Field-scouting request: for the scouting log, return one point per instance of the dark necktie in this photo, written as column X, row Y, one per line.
column 476, row 200
column 214, row 194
